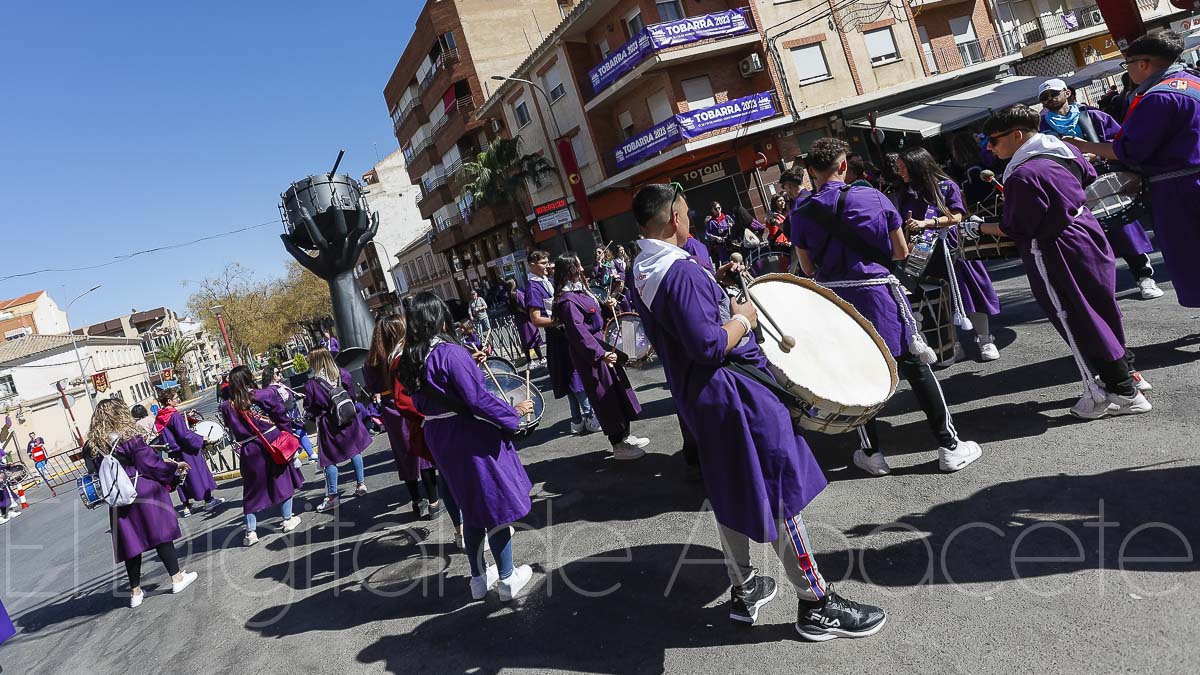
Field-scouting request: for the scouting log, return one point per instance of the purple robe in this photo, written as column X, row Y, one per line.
column 756, row 468
column 187, row 445
column 563, row 377
column 531, row 337
column 332, row 345
column 974, row 284
column 473, row 448
column 337, row 444
column 698, row 251
column 716, row 232
column 150, row 520
column 1161, row 134
column 7, row 629
column 473, row 342
column 1129, row 239
column 5, row 499
column 264, row 483
column 613, row 399
column 1039, row 197
column 873, row 217
column 408, row 465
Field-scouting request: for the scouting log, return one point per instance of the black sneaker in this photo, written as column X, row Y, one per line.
column 836, row 617
column 745, row 600
column 423, row 508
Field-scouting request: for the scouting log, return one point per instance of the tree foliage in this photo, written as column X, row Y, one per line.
column 498, row 174
column 175, row 353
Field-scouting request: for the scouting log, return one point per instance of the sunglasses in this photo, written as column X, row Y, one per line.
column 1128, row 62
column 993, row 138
column 1047, row 95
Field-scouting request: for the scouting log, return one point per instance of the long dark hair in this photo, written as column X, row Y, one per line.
column 925, row 177
column 241, row 387
column 964, row 150
column 510, row 286
column 268, row 376
column 428, row 319
column 389, row 332
column 567, row 270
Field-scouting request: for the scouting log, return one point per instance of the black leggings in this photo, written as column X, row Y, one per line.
column 166, row 553
column 1117, row 375
column 1139, row 266
column 430, row 479
column 929, row 395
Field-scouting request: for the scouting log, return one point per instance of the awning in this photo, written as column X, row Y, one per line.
column 957, row 110
column 1113, row 65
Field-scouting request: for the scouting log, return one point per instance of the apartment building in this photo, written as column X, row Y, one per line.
column 155, row 328
column 419, row 269
column 34, row 313
column 432, row 95
column 390, row 193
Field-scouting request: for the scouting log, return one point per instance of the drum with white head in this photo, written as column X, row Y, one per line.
column 514, row 389
column 626, row 333
column 1117, row 198
column 210, row 431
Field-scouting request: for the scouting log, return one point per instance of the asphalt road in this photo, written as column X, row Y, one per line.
column 1068, row 548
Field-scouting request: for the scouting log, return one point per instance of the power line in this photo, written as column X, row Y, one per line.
column 127, row 256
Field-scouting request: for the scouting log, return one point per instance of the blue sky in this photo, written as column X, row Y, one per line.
column 126, row 125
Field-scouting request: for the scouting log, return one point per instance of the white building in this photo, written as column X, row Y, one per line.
column 389, row 193
column 34, row 313
column 419, row 269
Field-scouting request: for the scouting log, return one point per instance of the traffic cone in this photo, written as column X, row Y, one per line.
column 21, row 497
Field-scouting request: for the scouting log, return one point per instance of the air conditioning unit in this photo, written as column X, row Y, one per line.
column 1097, row 17
column 495, row 126
column 750, row 65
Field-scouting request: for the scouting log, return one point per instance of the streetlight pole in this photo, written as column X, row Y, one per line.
column 75, row 348
column 216, row 309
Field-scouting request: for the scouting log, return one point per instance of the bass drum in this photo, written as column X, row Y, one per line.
column 626, row 333
column 513, row 388
column 210, row 431
column 765, row 260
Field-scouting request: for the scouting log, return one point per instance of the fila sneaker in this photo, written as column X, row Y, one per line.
column 835, row 617
column 745, row 600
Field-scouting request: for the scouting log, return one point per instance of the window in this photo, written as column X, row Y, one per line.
column 633, row 23
column 8, row 388
column 669, row 10
column 625, row 121
column 604, row 50
column 660, row 106
column 447, row 41
column 429, row 263
column 699, row 93
column 965, row 40
column 577, row 145
column 810, row 64
column 553, row 83
column 881, row 45
column 521, row 112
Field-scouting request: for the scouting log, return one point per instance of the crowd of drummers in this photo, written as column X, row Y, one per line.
column 869, row 234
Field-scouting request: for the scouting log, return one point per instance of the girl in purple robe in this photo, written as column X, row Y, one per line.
column 531, row 337
column 185, row 445
column 150, row 521
column 716, row 232
column 620, row 262
column 1071, row 270
column 291, row 402
column 248, row 413
column 932, row 201
column 604, row 379
column 469, row 432
column 338, row 444
column 618, row 297
column 470, row 339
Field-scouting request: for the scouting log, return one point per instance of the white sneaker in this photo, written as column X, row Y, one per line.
column 290, row 524
column 592, row 424
column 637, row 441
column 1140, row 383
column 511, row 587
column 214, row 503
column 577, row 429
column 1089, row 408
column 135, row 599
column 482, row 584
column 3, row 520
column 962, row 455
column 13, row 513
column 360, row 489
column 874, row 463
column 328, row 503
column 987, row 348
column 250, row 539
column 625, row 451
column 957, row 355
column 1150, row 290
column 188, row 578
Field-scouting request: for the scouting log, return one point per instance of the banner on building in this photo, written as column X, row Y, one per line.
column 566, row 152
column 738, row 111
column 650, row 142
column 100, row 382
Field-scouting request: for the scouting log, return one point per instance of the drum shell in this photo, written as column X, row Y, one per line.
column 512, row 388
column 498, row 364
column 89, row 491
column 1117, row 198
column 317, row 195
column 641, row 352
column 932, row 308
column 766, row 260
column 988, row 247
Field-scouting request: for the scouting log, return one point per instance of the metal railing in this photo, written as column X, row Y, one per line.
column 423, row 145
column 402, row 114
column 1049, row 26
column 963, row 55
column 444, row 59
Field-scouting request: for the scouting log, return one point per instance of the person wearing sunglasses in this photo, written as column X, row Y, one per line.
column 716, row 231
column 1063, row 118
column 1160, row 138
column 1071, row 269
column 759, row 473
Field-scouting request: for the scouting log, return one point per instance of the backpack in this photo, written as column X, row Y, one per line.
column 115, row 485
column 342, row 410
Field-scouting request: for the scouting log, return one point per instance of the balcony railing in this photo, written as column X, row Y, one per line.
column 446, row 58
column 968, row 54
column 1049, row 26
column 421, row 146
column 402, row 114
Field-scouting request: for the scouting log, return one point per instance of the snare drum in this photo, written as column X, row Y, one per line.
column 89, row 491
column 210, row 431
column 498, row 364
column 512, row 388
column 627, row 334
column 764, row 260
column 840, row 365
column 1117, row 198
column 932, row 309
column 13, row 474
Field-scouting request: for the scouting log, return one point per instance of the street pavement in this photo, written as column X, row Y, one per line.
column 1067, row 548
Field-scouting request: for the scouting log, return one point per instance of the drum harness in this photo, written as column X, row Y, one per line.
column 456, row 407
column 835, row 228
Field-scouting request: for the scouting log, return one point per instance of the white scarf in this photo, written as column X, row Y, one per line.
column 549, row 287
column 651, row 265
column 1038, row 144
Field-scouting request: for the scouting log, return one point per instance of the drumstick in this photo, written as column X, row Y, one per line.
column 786, row 342
column 493, row 376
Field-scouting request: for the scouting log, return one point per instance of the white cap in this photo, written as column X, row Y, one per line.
column 1052, row 85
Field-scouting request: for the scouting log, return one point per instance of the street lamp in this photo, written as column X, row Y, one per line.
column 216, row 309
column 75, row 345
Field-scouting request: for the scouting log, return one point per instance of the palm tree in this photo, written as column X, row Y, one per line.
column 498, row 174
column 174, row 353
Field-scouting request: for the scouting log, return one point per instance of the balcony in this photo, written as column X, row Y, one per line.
column 1044, row 31
column 435, row 194
column 967, row 54
column 459, row 120
column 438, row 77
column 407, row 119
column 421, row 160
column 690, row 38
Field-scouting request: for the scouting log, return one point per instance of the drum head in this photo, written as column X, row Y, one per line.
column 499, row 364
column 838, row 357
column 627, row 334
column 512, row 389
column 211, row 431
column 769, row 262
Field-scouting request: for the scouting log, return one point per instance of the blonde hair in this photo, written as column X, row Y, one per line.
column 323, row 365
column 111, row 419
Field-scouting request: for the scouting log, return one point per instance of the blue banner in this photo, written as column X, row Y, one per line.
column 650, row 142
column 738, row 111
column 620, row 62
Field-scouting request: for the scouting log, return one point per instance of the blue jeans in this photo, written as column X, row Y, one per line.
column 252, row 518
column 501, row 540
column 305, row 442
column 580, row 405
column 331, row 475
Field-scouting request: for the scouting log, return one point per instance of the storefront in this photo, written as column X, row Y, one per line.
column 557, row 228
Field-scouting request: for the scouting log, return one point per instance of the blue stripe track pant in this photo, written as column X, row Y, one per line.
column 794, row 551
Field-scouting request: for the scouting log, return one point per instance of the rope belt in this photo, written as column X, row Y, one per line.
column 960, row 313
column 916, row 341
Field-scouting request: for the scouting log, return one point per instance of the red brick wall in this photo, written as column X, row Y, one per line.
column 936, row 22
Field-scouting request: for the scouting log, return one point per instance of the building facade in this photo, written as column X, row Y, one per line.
column 34, row 313
column 419, row 269
column 158, row 327
column 391, row 194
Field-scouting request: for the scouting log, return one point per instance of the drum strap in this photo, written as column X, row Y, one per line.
column 836, row 229
column 788, row 398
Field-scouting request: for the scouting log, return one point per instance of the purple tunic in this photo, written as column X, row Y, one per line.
column 563, row 377
column 608, row 388
column 473, row 448
column 150, row 520
column 408, row 465
column 264, row 483
column 756, row 468
column 1130, row 239
column 187, row 445
column 1162, row 134
column 1039, row 197
column 716, row 232
column 472, row 341
column 873, row 217
column 699, row 252
column 337, row 445
column 974, row 284
column 5, row 500
column 531, row 337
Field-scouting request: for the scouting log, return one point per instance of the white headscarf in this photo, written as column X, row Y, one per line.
column 1038, row 144
column 651, row 265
